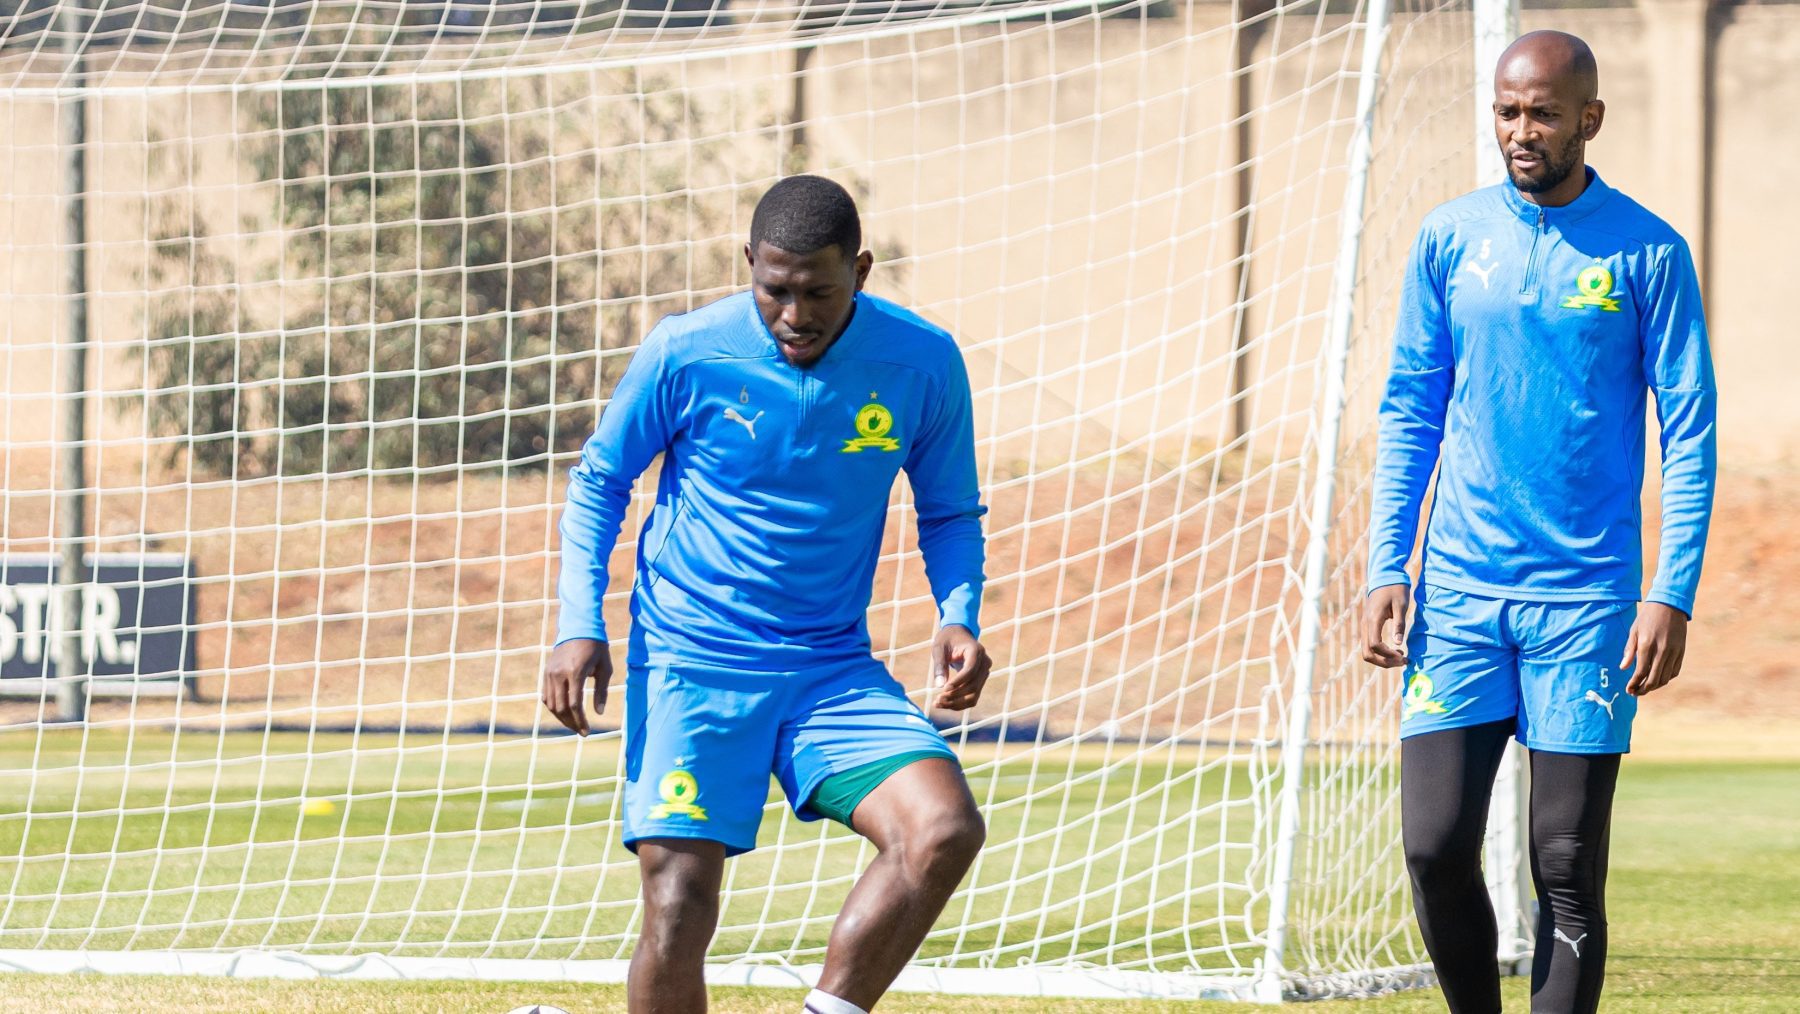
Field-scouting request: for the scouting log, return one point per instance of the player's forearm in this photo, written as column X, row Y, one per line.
column 955, row 553
column 1393, row 530
column 1411, row 433
column 1690, row 468
column 633, row 430
column 592, row 517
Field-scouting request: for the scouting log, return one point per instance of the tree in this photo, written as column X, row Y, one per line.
column 451, row 260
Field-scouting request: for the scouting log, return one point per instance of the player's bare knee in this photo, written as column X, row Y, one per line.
column 947, row 845
column 971, row 835
column 679, row 906
column 679, row 899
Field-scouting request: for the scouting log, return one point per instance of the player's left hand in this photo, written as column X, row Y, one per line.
column 959, row 668
column 571, row 664
column 1657, row 643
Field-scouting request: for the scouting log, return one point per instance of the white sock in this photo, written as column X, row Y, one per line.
column 820, row 1002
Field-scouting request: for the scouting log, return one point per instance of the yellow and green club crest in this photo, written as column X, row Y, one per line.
column 1418, row 696
column 678, row 789
column 1595, row 285
column 873, row 422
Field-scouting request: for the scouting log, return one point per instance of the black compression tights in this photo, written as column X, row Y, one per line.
column 1446, row 780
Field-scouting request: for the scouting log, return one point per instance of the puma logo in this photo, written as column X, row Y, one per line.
column 749, row 424
column 1482, row 272
column 1574, row 945
column 1607, row 703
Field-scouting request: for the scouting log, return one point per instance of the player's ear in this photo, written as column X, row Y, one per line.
column 864, row 261
column 749, row 255
column 1592, row 115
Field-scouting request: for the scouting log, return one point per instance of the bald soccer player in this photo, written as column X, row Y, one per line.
column 783, row 415
column 1538, row 316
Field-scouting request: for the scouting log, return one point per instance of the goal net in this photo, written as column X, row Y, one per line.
column 309, row 307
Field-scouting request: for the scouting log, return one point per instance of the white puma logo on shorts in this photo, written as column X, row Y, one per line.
column 1607, row 703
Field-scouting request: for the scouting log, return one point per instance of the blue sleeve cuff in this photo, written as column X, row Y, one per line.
column 966, row 623
column 578, row 634
column 1387, row 579
column 961, row 614
column 1685, row 603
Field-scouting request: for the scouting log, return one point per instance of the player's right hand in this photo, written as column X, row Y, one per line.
column 959, row 668
column 571, row 664
column 1384, row 626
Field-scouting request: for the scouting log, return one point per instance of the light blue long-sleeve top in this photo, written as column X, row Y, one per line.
column 761, row 549
column 1528, row 341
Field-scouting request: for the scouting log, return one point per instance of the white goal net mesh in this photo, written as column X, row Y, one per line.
column 359, row 277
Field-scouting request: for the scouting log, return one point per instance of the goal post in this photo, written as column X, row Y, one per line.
column 360, row 278
column 1340, row 315
column 1506, row 859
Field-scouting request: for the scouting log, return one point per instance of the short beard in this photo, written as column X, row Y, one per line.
column 1557, row 167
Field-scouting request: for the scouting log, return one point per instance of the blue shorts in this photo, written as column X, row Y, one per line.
column 701, row 743
column 1552, row 666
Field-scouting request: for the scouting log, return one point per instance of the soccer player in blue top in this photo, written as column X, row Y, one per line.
column 1538, row 315
column 782, row 415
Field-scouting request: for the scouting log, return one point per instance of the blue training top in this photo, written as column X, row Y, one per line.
column 1526, row 341
column 761, row 549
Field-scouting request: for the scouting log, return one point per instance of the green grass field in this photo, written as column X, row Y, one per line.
column 1705, row 894
column 508, row 850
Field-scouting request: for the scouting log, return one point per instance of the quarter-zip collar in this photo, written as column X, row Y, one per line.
column 1596, row 194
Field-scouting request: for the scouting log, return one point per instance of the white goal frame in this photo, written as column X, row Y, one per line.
column 1278, row 977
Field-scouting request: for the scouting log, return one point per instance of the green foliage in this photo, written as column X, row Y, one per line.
column 449, row 263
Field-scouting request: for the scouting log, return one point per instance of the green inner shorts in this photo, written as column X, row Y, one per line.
column 837, row 796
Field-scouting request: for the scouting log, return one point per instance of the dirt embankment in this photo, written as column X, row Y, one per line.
column 1117, row 596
